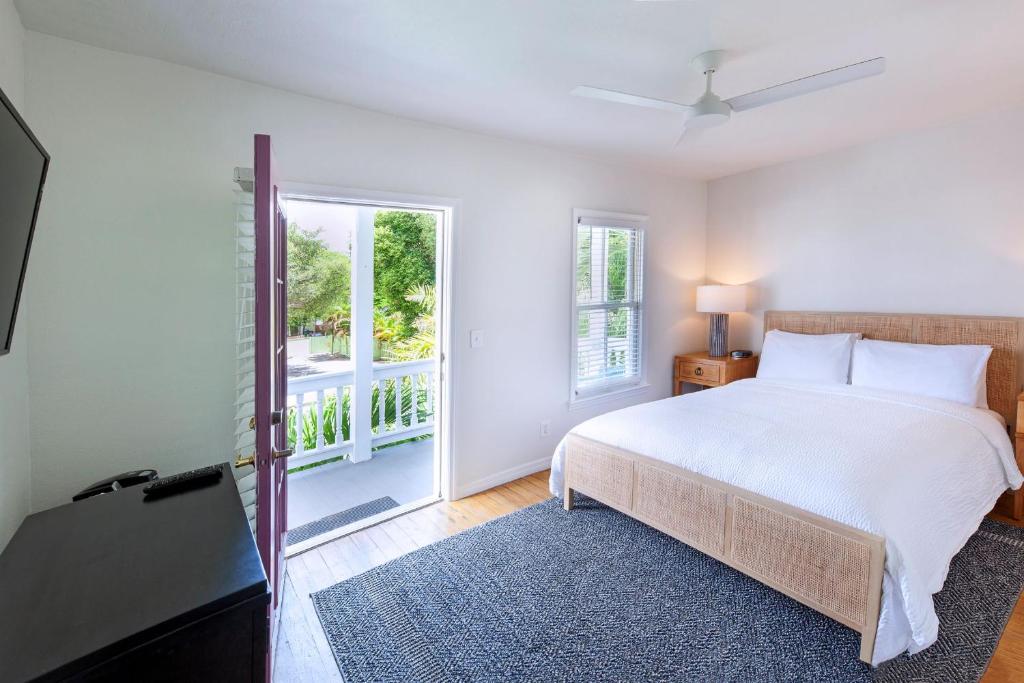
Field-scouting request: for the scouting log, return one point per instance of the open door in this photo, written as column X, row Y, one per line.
column 271, row 374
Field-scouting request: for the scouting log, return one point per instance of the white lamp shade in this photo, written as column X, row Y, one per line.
column 721, row 298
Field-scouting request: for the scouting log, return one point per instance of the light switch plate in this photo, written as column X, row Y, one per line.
column 476, row 339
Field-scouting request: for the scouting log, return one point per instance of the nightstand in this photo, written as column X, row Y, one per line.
column 710, row 371
column 1011, row 503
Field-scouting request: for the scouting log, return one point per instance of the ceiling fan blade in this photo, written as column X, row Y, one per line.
column 802, row 86
column 689, row 133
column 626, row 98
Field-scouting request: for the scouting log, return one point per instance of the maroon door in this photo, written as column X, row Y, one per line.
column 271, row 373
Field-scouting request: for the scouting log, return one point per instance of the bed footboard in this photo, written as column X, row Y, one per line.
column 831, row 567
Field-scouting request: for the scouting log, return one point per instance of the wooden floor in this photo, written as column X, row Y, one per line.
column 302, row 652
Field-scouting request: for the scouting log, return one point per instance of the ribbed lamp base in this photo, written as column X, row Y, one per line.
column 718, row 334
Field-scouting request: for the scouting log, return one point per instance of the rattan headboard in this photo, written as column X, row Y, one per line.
column 1002, row 334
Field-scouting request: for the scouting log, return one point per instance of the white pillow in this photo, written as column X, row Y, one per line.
column 821, row 358
column 955, row 372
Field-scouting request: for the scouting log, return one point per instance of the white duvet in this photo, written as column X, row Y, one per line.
column 921, row 472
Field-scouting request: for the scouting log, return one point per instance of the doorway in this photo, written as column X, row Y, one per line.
column 368, row 288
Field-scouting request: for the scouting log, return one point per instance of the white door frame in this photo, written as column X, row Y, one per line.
column 445, row 360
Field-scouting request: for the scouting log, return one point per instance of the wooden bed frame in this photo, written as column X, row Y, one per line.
column 831, row 567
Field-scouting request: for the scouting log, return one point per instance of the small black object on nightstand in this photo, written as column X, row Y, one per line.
column 184, row 481
column 741, row 353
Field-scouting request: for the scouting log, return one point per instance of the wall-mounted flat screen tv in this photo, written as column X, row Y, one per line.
column 23, row 164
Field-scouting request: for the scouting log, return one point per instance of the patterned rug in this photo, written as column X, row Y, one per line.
column 542, row 595
column 340, row 519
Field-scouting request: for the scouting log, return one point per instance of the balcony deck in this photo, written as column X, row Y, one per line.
column 321, row 499
column 404, row 473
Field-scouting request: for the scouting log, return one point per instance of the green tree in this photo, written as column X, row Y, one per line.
column 403, row 259
column 421, row 344
column 618, row 258
column 319, row 280
column 617, row 252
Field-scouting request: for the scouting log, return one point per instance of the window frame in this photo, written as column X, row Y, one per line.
column 626, row 386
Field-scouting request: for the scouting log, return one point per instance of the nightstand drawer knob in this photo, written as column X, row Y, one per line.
column 699, row 371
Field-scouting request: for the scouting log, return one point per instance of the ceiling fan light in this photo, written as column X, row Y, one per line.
column 709, row 111
column 707, row 120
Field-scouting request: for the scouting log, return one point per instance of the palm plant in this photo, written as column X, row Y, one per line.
column 421, row 344
column 386, row 327
column 339, row 322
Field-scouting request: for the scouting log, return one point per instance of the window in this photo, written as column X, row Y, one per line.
column 607, row 303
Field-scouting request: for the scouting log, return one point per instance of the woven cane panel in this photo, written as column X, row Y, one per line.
column 1003, row 335
column 804, row 559
column 690, row 511
column 897, row 328
column 801, row 323
column 599, row 472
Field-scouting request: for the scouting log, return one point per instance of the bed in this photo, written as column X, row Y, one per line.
column 900, row 481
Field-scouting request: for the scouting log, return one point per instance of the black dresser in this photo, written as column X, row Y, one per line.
column 118, row 587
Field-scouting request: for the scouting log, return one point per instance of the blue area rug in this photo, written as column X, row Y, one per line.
column 592, row 595
column 340, row 519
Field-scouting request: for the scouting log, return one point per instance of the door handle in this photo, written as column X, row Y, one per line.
column 251, row 459
column 276, row 417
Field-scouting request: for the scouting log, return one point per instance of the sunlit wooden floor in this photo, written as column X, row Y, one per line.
column 303, row 654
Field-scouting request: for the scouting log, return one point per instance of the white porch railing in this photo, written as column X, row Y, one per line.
column 402, row 404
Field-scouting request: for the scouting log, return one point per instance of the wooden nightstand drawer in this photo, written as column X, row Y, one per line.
column 710, row 371
column 700, row 372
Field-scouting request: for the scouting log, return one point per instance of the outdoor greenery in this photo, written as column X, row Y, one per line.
column 319, row 280
column 403, row 260
column 342, row 345
column 617, row 266
column 420, row 344
column 392, row 419
column 320, row 296
column 320, row 286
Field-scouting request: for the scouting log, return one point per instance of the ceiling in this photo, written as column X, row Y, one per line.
column 505, row 67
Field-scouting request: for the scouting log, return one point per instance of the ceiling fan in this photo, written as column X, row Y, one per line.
column 711, row 110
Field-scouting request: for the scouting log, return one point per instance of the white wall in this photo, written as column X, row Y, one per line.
column 15, row 465
column 133, row 332
column 131, row 281
column 928, row 222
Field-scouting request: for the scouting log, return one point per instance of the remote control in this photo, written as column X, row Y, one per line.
column 184, row 481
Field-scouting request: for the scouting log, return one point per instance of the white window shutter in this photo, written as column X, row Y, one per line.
column 608, row 304
column 245, row 344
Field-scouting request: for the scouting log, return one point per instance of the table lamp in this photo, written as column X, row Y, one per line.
column 720, row 301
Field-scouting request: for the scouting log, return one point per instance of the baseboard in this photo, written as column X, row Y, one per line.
column 502, row 477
